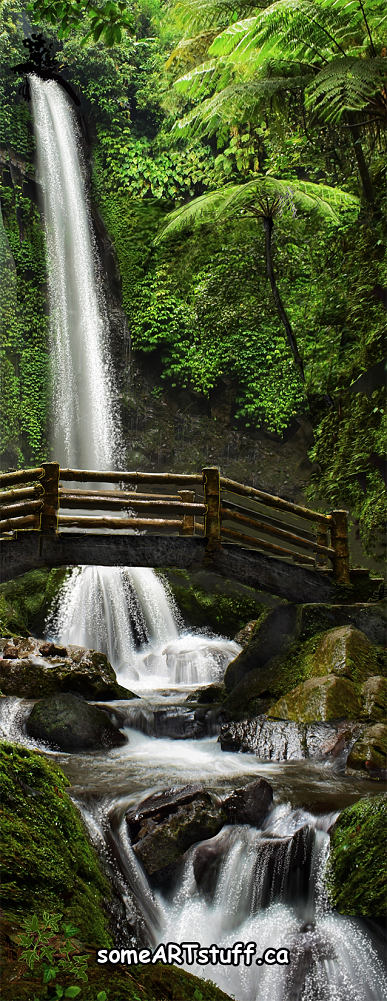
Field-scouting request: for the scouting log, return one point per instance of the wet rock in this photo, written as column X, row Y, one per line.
column 345, row 652
column 249, row 805
column 167, row 824
column 369, row 753
column 67, row 722
column 272, row 636
column 207, row 860
column 208, row 696
column 246, row 633
column 370, row 618
column 374, row 696
column 285, row 740
column 282, row 870
column 30, row 668
column 323, row 698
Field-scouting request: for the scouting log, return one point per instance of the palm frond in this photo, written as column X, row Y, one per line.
column 233, row 199
column 346, row 84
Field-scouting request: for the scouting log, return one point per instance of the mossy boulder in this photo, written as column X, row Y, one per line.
column 356, row 874
column 346, row 652
column 272, row 636
column 26, row 600
column 320, row 699
column 33, row 669
column 48, row 863
column 369, row 752
column 68, row 722
column 374, row 698
column 207, row 600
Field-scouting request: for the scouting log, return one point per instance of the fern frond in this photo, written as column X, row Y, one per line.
column 238, row 102
column 190, row 51
column 233, row 199
column 346, row 84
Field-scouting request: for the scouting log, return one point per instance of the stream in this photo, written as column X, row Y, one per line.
column 261, row 893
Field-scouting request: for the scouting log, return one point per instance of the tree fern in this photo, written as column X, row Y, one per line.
column 260, row 195
column 346, row 84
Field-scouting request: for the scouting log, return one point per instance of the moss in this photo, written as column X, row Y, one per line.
column 357, row 869
column 26, row 600
column 47, row 860
column 207, row 601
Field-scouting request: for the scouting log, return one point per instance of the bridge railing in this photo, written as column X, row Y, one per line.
column 223, row 511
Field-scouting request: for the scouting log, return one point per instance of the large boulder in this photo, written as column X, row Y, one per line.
column 31, row 668
column 167, row 824
column 346, row 652
column 70, row 724
column 374, row 697
column 285, row 740
column 272, row 635
column 319, row 699
column 356, row 874
column 369, row 752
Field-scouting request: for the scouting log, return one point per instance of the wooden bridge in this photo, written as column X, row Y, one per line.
column 65, row 517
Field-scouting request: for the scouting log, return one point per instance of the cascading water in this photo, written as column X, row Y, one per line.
column 268, row 886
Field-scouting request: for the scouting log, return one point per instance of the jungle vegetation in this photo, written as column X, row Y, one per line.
column 239, row 163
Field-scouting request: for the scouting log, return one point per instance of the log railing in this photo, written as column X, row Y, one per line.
column 206, row 504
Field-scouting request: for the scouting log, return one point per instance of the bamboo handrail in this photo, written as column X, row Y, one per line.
column 21, row 508
column 81, row 521
column 272, row 501
column 159, row 506
column 280, row 533
column 112, row 494
column 268, row 519
column 261, row 544
column 92, row 475
column 25, row 493
column 13, row 524
column 21, row 476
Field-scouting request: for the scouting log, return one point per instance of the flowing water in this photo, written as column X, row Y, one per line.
column 268, row 887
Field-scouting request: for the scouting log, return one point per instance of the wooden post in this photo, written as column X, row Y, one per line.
column 188, row 521
column 49, row 519
column 322, row 539
column 339, row 536
column 211, row 481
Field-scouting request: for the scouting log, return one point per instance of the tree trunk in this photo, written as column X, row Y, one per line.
column 290, row 337
column 362, row 166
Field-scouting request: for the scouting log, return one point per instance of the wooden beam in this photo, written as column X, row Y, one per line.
column 188, row 523
column 20, row 509
column 158, row 506
column 25, row 493
column 112, row 476
column 21, row 476
column 128, row 524
column 211, row 481
column 272, row 501
column 280, row 533
column 49, row 518
column 261, row 544
column 14, row 524
column 114, row 494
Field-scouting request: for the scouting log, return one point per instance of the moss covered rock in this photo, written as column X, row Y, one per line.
column 47, row 862
column 26, row 600
column 345, row 652
column 320, row 699
column 356, row 875
column 34, row 669
column 207, row 600
column 369, row 753
column 374, row 698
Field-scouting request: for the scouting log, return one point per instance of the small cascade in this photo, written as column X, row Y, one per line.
column 269, row 890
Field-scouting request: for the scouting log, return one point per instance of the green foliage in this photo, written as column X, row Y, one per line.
column 106, row 21
column 49, row 949
column 358, row 848
column 141, row 170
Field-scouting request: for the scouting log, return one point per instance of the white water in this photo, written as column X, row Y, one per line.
column 84, row 419
column 128, row 615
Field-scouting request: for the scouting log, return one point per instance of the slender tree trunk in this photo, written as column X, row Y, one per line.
column 362, row 165
column 290, row 337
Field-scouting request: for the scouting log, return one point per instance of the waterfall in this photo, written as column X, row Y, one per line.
column 110, row 609
column 85, row 428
